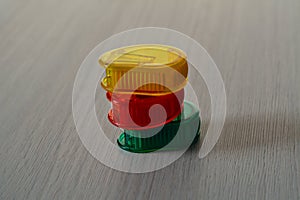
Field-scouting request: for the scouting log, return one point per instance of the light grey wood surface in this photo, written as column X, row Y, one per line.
column 255, row 43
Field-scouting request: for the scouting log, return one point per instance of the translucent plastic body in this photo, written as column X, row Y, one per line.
column 188, row 133
column 157, row 65
column 132, row 111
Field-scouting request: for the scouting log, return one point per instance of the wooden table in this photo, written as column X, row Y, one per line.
column 256, row 45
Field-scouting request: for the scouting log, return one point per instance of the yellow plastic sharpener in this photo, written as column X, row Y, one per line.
column 149, row 69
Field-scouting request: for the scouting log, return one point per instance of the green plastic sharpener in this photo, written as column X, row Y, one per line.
column 178, row 134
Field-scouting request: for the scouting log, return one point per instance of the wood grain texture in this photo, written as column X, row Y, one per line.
column 255, row 43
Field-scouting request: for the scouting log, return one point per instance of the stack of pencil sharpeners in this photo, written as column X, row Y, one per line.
column 145, row 86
